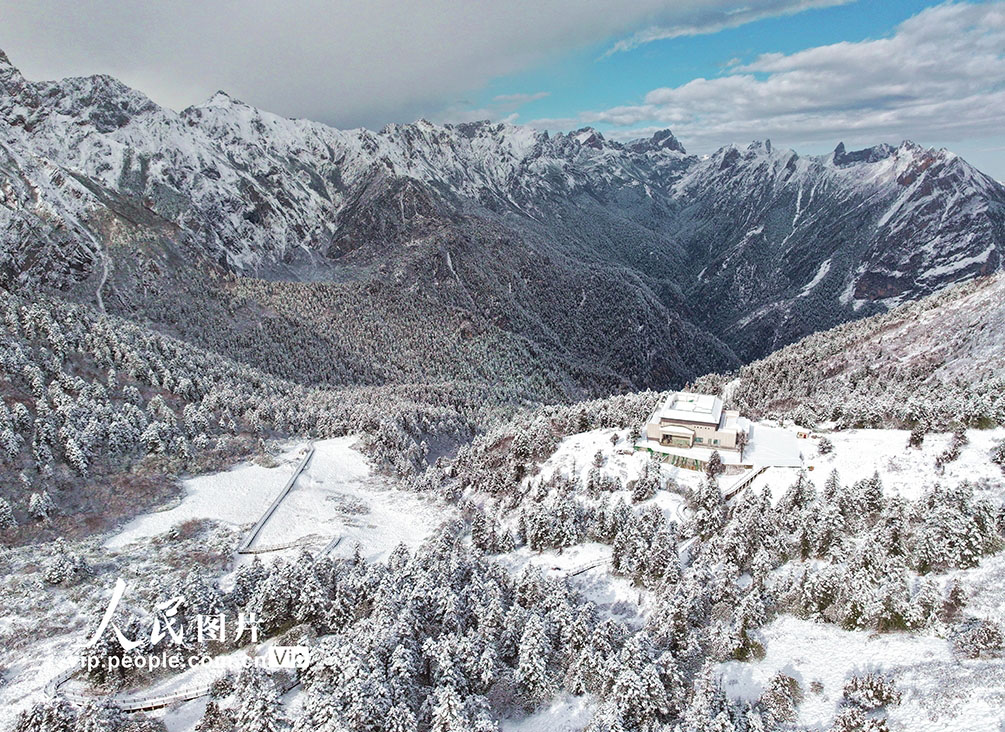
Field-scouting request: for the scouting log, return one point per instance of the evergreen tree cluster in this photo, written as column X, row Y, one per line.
column 83, row 396
column 878, row 551
column 861, row 374
column 497, row 460
column 442, row 639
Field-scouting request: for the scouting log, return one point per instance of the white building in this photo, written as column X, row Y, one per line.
column 689, row 420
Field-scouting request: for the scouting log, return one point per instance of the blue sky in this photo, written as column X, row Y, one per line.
column 593, row 78
column 803, row 73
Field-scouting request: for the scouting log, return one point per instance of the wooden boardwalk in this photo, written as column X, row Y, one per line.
column 743, row 481
column 245, row 546
column 148, row 702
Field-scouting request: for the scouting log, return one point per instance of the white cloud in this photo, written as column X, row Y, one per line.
column 502, row 107
column 520, row 99
column 940, row 76
column 346, row 62
column 713, row 17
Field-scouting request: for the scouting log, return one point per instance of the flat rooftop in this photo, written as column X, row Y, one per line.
column 685, row 406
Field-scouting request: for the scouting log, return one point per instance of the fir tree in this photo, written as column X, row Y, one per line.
column 780, row 699
column 448, row 712
column 532, row 669
column 7, row 520
column 75, row 456
column 998, row 454
column 54, row 715
column 714, row 467
column 40, row 505
column 401, row 719
column 214, row 719
column 100, row 717
column 260, row 709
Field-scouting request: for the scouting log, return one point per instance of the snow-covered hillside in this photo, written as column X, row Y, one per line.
column 872, row 565
column 938, row 361
column 337, row 498
column 757, row 245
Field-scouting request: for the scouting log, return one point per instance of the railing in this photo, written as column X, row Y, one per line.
column 744, row 481
column 331, row 545
column 144, row 703
column 244, row 548
column 586, row 567
column 302, row 541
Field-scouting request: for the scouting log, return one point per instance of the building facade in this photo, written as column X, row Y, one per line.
column 689, row 420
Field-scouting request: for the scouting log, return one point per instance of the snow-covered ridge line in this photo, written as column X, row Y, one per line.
column 91, row 171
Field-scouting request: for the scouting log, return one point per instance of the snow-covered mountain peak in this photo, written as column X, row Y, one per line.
column 222, row 99
column 257, row 190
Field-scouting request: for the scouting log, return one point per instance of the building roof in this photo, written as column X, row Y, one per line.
column 733, row 421
column 684, row 406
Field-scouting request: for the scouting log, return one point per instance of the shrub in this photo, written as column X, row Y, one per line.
column 977, row 637
column 871, row 691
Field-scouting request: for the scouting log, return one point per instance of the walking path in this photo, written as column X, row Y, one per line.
column 149, row 702
column 245, row 546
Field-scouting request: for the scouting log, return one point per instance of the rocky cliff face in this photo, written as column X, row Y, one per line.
column 636, row 263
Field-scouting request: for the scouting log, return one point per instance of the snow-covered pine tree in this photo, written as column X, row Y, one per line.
column 871, row 691
column 215, row 719
column 312, row 605
column 40, row 506
column 400, row 719
column 714, row 467
column 534, row 652
column 100, row 716
column 260, row 709
column 662, row 564
column 52, row 715
column 998, row 454
column 7, row 520
column 832, row 487
column 75, row 457
column 448, row 711
column 780, row 698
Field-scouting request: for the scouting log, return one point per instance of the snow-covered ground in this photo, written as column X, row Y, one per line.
column 586, row 567
column 940, row 692
column 237, row 496
column 905, row 471
column 564, row 714
column 574, row 456
column 337, row 496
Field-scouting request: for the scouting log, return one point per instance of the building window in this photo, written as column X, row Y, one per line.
column 699, row 439
column 715, row 442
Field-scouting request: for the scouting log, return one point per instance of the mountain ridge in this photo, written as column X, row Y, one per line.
column 739, row 252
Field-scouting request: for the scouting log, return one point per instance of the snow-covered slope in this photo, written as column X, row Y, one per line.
column 514, row 227
column 792, row 242
column 936, row 361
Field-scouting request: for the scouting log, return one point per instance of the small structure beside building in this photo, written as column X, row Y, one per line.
column 688, row 420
